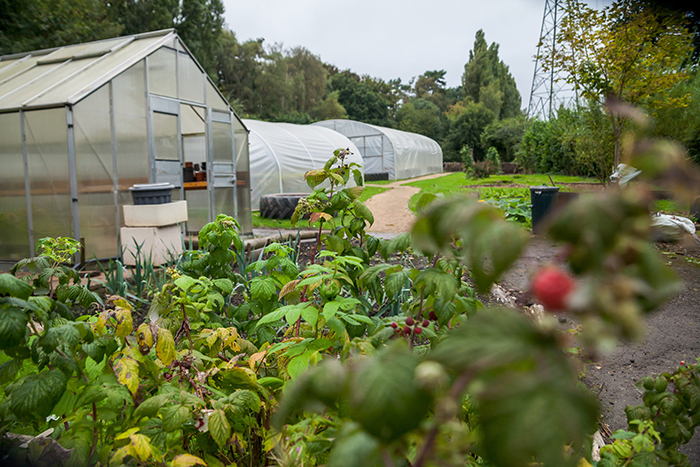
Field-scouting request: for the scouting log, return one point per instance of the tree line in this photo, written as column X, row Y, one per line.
column 644, row 54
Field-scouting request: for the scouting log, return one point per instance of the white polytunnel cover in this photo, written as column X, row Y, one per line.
column 399, row 154
column 280, row 154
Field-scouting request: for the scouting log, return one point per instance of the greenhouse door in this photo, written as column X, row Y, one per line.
column 223, row 170
column 166, row 148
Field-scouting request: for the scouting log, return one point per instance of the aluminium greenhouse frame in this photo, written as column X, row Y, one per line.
column 82, row 123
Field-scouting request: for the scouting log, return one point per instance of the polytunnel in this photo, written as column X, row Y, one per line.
column 388, row 153
column 81, row 124
column 281, row 153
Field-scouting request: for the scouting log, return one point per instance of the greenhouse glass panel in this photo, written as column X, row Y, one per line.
column 11, row 86
column 162, row 73
column 14, row 241
column 197, row 209
column 190, row 79
column 243, row 211
column 71, row 87
column 19, row 66
column 165, row 136
column 49, row 180
column 214, row 100
column 130, row 128
column 95, row 174
column 223, row 145
column 28, row 93
column 223, row 202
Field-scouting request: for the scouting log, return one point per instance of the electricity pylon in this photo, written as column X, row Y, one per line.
column 549, row 88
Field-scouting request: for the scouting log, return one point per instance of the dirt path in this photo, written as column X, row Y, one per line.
column 390, row 208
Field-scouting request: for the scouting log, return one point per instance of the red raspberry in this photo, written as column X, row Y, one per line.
column 552, row 286
column 426, row 323
column 394, row 325
column 418, row 330
column 432, row 316
column 410, row 321
column 407, row 330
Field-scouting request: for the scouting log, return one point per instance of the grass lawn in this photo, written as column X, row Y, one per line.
column 286, row 224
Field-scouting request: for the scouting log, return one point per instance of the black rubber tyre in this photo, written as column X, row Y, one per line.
column 280, row 206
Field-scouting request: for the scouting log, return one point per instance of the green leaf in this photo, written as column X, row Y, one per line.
column 424, row 201
column 382, row 388
column 10, row 285
column 262, row 288
column 315, row 177
column 330, row 309
column 37, row 394
column 234, row 378
column 334, row 243
column 310, row 315
column 354, row 192
column 270, row 382
column 185, row 282
column 9, row 370
column 13, row 326
column 357, row 175
column 394, row 282
column 225, row 285
column 219, row 428
column 276, row 315
column 363, row 211
column 354, row 448
column 97, row 349
column 174, row 417
column 165, row 348
column 297, row 366
column 399, row 243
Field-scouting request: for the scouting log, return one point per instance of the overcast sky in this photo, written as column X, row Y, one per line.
column 397, row 39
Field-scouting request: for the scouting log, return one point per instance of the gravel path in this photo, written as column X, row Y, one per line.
column 390, row 208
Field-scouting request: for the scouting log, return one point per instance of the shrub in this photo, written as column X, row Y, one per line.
column 492, row 155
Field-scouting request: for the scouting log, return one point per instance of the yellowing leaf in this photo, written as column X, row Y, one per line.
column 127, row 371
column 584, row 463
column 127, row 433
column 125, row 323
column 140, row 446
column 288, row 287
column 144, row 336
column 187, row 460
column 99, row 325
column 165, row 348
column 256, row 358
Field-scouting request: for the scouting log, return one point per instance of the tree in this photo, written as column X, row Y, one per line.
column 466, row 130
column 630, row 50
column 505, row 135
column 200, row 25
column 488, row 81
column 40, row 24
column 359, row 100
column 420, row 116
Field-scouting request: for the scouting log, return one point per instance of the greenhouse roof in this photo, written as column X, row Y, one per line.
column 65, row 75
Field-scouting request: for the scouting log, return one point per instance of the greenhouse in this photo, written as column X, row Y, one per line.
column 388, row 153
column 81, row 124
column 280, row 154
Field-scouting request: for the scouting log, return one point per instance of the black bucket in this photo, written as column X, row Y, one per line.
column 543, row 200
